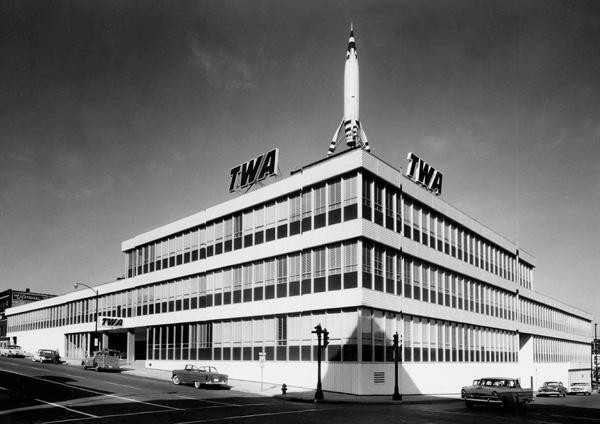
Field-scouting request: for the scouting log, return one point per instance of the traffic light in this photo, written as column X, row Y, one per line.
column 395, row 339
column 325, row 338
column 317, row 329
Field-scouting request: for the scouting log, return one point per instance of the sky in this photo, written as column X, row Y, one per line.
column 117, row 117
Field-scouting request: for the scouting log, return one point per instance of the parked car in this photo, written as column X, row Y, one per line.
column 501, row 391
column 199, row 376
column 552, row 388
column 46, row 355
column 576, row 388
column 106, row 359
column 12, row 351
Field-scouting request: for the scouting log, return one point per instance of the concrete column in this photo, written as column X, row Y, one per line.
column 527, row 368
column 104, row 340
column 130, row 345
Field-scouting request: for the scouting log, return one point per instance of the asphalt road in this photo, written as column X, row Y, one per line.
column 46, row 393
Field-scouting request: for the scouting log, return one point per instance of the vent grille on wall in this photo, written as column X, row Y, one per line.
column 379, row 377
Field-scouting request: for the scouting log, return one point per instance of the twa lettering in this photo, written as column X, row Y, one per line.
column 112, row 322
column 254, row 170
column 424, row 174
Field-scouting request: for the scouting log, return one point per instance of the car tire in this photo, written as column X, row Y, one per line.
column 176, row 380
column 503, row 401
column 463, row 394
column 83, row 365
column 197, row 384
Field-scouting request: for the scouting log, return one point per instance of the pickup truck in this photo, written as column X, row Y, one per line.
column 105, row 359
column 501, row 391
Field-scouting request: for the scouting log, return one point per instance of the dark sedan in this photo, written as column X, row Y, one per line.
column 199, row 376
column 552, row 388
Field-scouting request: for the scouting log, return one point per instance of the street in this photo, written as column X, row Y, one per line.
column 46, row 393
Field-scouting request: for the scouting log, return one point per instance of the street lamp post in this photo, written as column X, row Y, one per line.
column 76, row 285
column 397, row 343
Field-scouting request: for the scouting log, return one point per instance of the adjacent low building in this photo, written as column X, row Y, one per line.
column 350, row 243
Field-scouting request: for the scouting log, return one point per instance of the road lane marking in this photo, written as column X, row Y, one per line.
column 67, row 420
column 266, row 414
column 122, row 385
column 209, row 401
column 67, row 408
column 95, row 392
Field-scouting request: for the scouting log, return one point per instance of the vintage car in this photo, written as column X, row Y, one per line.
column 580, row 387
column 46, row 355
column 552, row 388
column 106, row 359
column 12, row 351
column 199, row 376
column 501, row 391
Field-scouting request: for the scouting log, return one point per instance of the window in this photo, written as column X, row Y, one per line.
column 306, row 210
column 306, row 272
column 335, row 267
column 282, row 272
column 366, row 197
column 319, row 254
column 378, row 263
column 366, row 264
column 335, row 202
column 350, row 198
column 248, row 223
column 259, row 225
column 237, row 231
column 320, row 218
column 270, row 222
column 378, row 192
column 389, row 208
column 295, row 214
column 282, row 218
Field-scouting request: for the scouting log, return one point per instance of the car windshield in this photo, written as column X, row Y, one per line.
column 551, row 383
column 579, row 384
column 14, row 347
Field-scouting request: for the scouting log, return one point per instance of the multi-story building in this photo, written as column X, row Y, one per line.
column 349, row 243
column 10, row 298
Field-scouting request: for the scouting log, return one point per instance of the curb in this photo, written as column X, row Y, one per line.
column 366, row 401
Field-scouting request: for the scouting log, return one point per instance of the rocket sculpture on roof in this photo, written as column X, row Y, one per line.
column 353, row 132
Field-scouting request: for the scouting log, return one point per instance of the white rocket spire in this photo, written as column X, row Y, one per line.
column 353, row 132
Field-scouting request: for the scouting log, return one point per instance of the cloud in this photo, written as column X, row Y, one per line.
column 222, row 70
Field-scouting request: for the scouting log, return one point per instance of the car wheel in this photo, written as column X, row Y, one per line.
column 564, row 395
column 197, row 384
column 176, row 380
column 503, row 401
column 83, row 365
column 463, row 394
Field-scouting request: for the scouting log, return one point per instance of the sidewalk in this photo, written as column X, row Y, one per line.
column 300, row 394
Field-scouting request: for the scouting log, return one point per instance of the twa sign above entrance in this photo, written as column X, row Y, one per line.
column 109, row 322
column 246, row 174
column 424, row 174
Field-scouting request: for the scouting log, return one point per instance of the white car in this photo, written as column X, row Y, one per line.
column 576, row 388
column 13, row 351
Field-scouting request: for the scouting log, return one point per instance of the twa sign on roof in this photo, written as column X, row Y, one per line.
column 257, row 169
column 424, row 174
